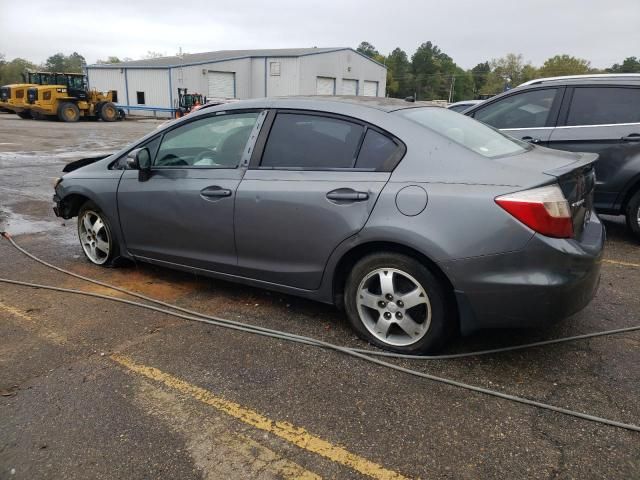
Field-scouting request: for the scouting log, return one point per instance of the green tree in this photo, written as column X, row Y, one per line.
column 433, row 70
column 564, row 65
column 110, row 59
column 402, row 76
column 60, row 62
column 367, row 49
column 629, row 65
column 480, row 75
column 11, row 72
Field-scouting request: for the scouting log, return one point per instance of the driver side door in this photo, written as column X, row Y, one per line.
column 182, row 212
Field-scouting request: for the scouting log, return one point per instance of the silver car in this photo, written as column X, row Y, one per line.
column 418, row 221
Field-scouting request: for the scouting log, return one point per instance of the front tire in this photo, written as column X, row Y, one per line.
column 395, row 302
column 96, row 235
column 68, row 112
column 633, row 214
column 108, row 112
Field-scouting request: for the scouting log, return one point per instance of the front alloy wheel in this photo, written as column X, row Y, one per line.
column 95, row 237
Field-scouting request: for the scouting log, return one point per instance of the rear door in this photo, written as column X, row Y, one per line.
column 604, row 119
column 313, row 185
column 529, row 115
column 183, row 213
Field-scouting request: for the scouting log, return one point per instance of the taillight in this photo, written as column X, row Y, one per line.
column 542, row 209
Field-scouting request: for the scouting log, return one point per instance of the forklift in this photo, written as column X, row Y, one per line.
column 66, row 96
column 188, row 102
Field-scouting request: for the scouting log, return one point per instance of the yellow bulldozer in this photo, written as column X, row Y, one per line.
column 64, row 96
column 14, row 97
column 68, row 98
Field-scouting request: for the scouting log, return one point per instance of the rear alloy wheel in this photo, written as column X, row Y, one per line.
column 394, row 302
column 108, row 112
column 95, row 235
column 68, row 112
column 633, row 214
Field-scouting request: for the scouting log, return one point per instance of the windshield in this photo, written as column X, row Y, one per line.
column 465, row 131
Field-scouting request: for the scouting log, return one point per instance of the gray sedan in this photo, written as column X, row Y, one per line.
column 418, row 221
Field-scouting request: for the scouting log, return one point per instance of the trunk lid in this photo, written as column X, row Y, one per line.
column 575, row 175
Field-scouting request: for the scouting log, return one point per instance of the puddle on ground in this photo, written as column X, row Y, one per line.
column 17, row 224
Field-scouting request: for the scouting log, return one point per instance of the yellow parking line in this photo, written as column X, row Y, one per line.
column 33, row 326
column 626, row 264
column 295, row 435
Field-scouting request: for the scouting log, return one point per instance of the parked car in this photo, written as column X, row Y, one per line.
column 589, row 113
column 463, row 105
column 417, row 220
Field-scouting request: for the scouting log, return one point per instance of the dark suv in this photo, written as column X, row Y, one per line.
column 583, row 113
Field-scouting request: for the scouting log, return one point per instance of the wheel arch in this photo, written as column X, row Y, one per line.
column 353, row 255
column 631, row 190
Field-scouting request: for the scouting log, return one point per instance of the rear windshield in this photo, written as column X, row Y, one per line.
column 465, row 131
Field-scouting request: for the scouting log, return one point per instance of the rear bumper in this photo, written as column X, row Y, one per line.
column 546, row 281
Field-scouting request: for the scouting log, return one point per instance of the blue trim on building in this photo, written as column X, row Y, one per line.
column 126, row 87
column 265, row 76
column 170, row 90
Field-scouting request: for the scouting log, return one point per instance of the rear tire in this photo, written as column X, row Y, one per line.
column 68, row 112
column 633, row 214
column 26, row 115
column 408, row 314
column 96, row 236
column 108, row 112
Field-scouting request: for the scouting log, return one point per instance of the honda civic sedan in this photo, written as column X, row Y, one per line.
column 416, row 220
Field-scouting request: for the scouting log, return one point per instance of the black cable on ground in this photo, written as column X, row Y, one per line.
column 230, row 324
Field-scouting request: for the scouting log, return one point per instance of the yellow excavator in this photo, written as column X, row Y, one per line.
column 66, row 96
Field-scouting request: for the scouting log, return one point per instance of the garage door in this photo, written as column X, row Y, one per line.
column 370, row 88
column 325, row 86
column 222, row 85
column 349, row 87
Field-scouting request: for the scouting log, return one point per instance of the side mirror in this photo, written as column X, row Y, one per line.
column 140, row 159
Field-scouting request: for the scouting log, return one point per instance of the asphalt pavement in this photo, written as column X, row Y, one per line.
column 95, row 389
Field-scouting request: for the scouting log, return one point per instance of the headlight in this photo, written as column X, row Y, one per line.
column 56, row 182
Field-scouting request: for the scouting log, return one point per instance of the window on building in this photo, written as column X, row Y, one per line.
column 375, row 151
column 274, row 69
column 604, row 105
column 523, row 110
column 311, row 142
column 140, row 96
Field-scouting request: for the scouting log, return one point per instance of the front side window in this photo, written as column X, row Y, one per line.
column 311, row 142
column 604, row 105
column 465, row 131
column 523, row 110
column 211, row 142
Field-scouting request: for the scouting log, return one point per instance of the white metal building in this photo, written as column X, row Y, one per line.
column 151, row 86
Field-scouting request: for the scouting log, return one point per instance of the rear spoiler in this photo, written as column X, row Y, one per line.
column 585, row 160
column 70, row 167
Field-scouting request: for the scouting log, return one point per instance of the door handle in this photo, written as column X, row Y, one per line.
column 531, row 139
column 634, row 137
column 347, row 195
column 215, row 192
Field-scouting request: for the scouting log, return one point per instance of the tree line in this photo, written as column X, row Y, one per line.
column 431, row 74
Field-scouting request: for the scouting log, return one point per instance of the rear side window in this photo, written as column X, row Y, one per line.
column 604, row 105
column 375, row 151
column 311, row 142
column 523, row 110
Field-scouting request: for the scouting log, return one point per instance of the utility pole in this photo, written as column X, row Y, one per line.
column 453, row 82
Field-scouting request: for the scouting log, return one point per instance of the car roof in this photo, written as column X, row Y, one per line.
column 326, row 102
column 602, row 78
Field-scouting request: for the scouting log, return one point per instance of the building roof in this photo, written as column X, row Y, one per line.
column 188, row 59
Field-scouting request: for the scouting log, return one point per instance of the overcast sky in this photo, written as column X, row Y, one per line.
column 604, row 32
